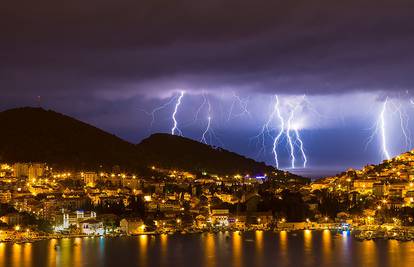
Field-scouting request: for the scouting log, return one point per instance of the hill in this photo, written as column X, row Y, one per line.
column 180, row 152
column 38, row 135
column 397, row 169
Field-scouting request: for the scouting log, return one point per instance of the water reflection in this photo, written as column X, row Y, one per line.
column 27, row 255
column 143, row 245
column 307, row 239
column 307, row 243
column 369, row 252
column 164, row 249
column 283, row 247
column 237, row 249
column 2, row 254
column 51, row 253
column 210, row 250
column 394, row 249
column 77, row 251
column 102, row 249
column 307, row 248
column 326, row 246
column 259, row 247
column 16, row 254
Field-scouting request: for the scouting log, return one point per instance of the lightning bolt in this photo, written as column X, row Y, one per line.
column 243, row 106
column 175, row 123
column 291, row 143
column 289, row 138
column 208, row 131
column 200, row 107
column 203, row 137
column 284, row 128
column 389, row 106
column 265, row 130
column 155, row 110
column 279, row 135
column 382, row 126
column 404, row 125
column 302, row 150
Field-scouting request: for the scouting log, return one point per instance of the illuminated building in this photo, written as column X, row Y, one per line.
column 90, row 178
column 132, row 226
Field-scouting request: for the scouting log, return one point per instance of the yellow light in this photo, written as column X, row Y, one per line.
column 17, row 228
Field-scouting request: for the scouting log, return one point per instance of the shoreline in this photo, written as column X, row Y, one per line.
column 401, row 235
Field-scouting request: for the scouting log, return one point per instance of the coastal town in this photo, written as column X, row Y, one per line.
column 40, row 202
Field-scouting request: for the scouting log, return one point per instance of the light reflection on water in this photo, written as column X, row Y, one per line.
column 237, row 249
column 304, row 248
column 326, row 247
column 210, row 250
column 142, row 248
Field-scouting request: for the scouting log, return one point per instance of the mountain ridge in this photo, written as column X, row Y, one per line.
column 38, row 135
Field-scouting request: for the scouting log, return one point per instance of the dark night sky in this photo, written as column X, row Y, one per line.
column 106, row 62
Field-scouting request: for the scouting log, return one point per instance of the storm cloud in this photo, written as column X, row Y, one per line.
column 106, row 61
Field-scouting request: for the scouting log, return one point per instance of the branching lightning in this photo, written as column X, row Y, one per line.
column 203, row 137
column 289, row 138
column 276, row 140
column 280, row 129
column 381, row 126
column 404, row 119
column 200, row 107
column 175, row 123
column 243, row 106
column 383, row 130
column 208, row 133
column 302, row 150
column 265, row 130
column 155, row 110
column 290, row 128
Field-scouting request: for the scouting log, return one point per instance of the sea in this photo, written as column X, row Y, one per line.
column 258, row 248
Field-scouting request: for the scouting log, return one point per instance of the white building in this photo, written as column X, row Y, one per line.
column 92, row 227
